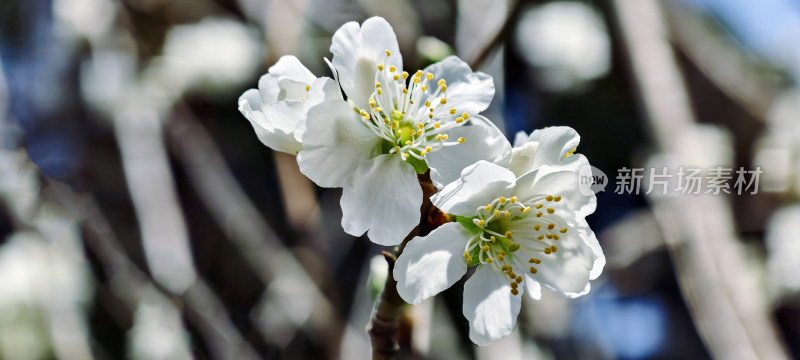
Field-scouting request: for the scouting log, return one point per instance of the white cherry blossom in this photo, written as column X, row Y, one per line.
column 521, row 233
column 375, row 143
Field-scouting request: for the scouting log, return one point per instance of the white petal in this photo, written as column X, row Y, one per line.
column 274, row 124
column 431, row 264
column 489, row 306
column 548, row 180
column 523, row 158
column 268, row 88
column 520, row 138
column 357, row 51
column 290, row 67
column 479, row 184
column 554, row 142
column 484, row 142
column 334, row 143
column 532, row 287
column 384, row 197
column 322, row 89
column 467, row 91
column 567, row 271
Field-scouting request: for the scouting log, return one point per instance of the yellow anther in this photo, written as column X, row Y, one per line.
column 418, row 73
column 379, row 91
column 420, row 125
column 445, row 136
column 308, row 88
column 465, row 115
column 555, row 237
column 378, row 84
column 392, row 68
column 514, row 285
column 513, row 247
column 505, row 268
column 441, row 82
column 494, row 239
column 563, row 230
column 541, row 237
column 405, row 156
column 388, row 53
column 557, row 198
column 511, row 273
column 488, row 207
column 502, row 200
column 513, row 199
column 549, row 198
column 553, row 248
column 399, row 132
column 466, row 254
column 427, row 103
column 539, row 206
column 481, row 222
column 380, row 67
column 443, row 101
column 397, row 149
column 497, row 213
column 550, row 210
column 437, row 125
column 424, row 88
column 422, row 153
column 439, row 137
column 429, row 76
column 428, row 149
column 461, row 140
column 489, row 260
column 531, row 260
column 548, row 251
column 551, row 226
column 396, row 77
column 372, row 102
column 405, row 91
column 485, row 248
column 508, row 214
column 378, row 109
column 405, row 75
column 526, row 209
column 386, row 121
column 501, row 252
column 539, row 214
column 408, row 142
column 459, row 120
column 453, row 111
column 508, row 234
column 518, row 279
column 514, row 292
column 537, row 227
column 533, row 270
column 549, row 236
column 416, row 81
column 431, row 109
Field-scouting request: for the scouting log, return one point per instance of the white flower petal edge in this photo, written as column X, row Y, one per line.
column 384, row 197
column 467, row 91
column 335, row 142
column 357, row 51
column 431, row 264
column 550, row 146
column 489, row 306
column 479, row 184
column 487, row 142
column 277, row 109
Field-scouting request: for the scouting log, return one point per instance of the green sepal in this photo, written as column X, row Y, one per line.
column 420, row 166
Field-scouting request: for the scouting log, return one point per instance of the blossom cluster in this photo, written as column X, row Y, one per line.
column 516, row 212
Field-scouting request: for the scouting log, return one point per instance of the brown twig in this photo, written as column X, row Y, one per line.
column 382, row 328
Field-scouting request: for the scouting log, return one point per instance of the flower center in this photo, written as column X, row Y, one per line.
column 511, row 228
column 411, row 115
